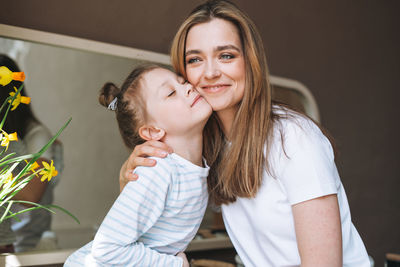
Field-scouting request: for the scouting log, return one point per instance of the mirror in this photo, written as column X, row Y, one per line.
column 64, row 75
column 64, row 82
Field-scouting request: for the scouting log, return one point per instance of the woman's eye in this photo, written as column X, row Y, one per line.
column 171, row 94
column 227, row 56
column 193, row 60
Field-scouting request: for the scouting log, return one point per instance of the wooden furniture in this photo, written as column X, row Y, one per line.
column 392, row 260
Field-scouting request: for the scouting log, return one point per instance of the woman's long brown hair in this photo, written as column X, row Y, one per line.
column 236, row 169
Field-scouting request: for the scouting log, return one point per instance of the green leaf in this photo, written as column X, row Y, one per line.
column 37, row 206
column 10, row 191
column 65, row 211
column 16, row 159
column 14, row 215
column 7, row 156
column 6, row 211
column 45, row 147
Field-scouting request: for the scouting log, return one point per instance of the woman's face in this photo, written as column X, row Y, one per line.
column 215, row 63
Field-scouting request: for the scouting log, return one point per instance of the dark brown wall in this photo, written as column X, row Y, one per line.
column 346, row 52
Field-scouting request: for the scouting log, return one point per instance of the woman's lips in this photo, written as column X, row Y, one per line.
column 214, row 88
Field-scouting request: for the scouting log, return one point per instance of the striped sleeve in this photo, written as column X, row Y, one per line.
column 134, row 212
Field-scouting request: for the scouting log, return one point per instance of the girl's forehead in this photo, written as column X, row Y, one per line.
column 158, row 78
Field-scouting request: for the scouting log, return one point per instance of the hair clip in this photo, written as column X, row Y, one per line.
column 113, row 104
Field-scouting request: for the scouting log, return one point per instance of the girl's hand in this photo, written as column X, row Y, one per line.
column 138, row 157
column 185, row 261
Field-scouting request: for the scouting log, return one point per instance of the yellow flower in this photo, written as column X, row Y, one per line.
column 33, row 167
column 9, row 178
column 19, row 99
column 6, row 76
column 5, row 138
column 48, row 172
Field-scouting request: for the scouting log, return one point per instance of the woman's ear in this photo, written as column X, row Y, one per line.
column 151, row 133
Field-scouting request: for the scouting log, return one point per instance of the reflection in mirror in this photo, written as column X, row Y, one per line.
column 63, row 81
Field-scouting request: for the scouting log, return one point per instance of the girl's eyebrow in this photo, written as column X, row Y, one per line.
column 218, row 48
column 164, row 86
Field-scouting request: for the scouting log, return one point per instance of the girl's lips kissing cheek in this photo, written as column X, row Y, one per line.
column 196, row 99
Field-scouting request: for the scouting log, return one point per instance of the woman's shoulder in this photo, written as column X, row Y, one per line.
column 288, row 121
column 295, row 131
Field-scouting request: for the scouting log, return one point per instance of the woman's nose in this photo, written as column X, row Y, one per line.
column 212, row 71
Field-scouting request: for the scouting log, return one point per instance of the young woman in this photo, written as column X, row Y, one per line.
column 272, row 169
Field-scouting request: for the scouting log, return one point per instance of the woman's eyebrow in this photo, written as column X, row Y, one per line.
column 227, row 47
column 191, row 52
column 218, row 48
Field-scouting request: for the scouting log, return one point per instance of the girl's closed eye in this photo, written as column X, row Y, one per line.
column 171, row 93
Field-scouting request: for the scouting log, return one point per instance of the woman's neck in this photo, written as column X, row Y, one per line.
column 189, row 147
column 226, row 117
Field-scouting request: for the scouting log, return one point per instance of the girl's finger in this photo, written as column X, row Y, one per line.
column 148, row 151
column 160, row 145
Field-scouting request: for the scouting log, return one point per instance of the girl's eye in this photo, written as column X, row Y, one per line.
column 227, row 56
column 193, row 60
column 171, row 94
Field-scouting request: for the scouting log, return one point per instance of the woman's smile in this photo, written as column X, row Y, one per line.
column 214, row 88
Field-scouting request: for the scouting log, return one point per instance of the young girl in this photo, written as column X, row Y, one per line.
column 272, row 169
column 154, row 219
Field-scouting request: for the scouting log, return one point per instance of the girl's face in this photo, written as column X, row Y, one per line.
column 215, row 63
column 172, row 104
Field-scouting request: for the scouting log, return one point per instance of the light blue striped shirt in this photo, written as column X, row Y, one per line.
column 153, row 219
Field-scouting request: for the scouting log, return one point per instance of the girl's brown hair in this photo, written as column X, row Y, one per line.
column 237, row 169
column 130, row 108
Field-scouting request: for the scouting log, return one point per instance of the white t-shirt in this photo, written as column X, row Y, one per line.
column 262, row 228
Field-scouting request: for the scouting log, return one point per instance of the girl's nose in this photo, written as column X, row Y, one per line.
column 188, row 88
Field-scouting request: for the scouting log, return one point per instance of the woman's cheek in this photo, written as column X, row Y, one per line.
column 193, row 76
